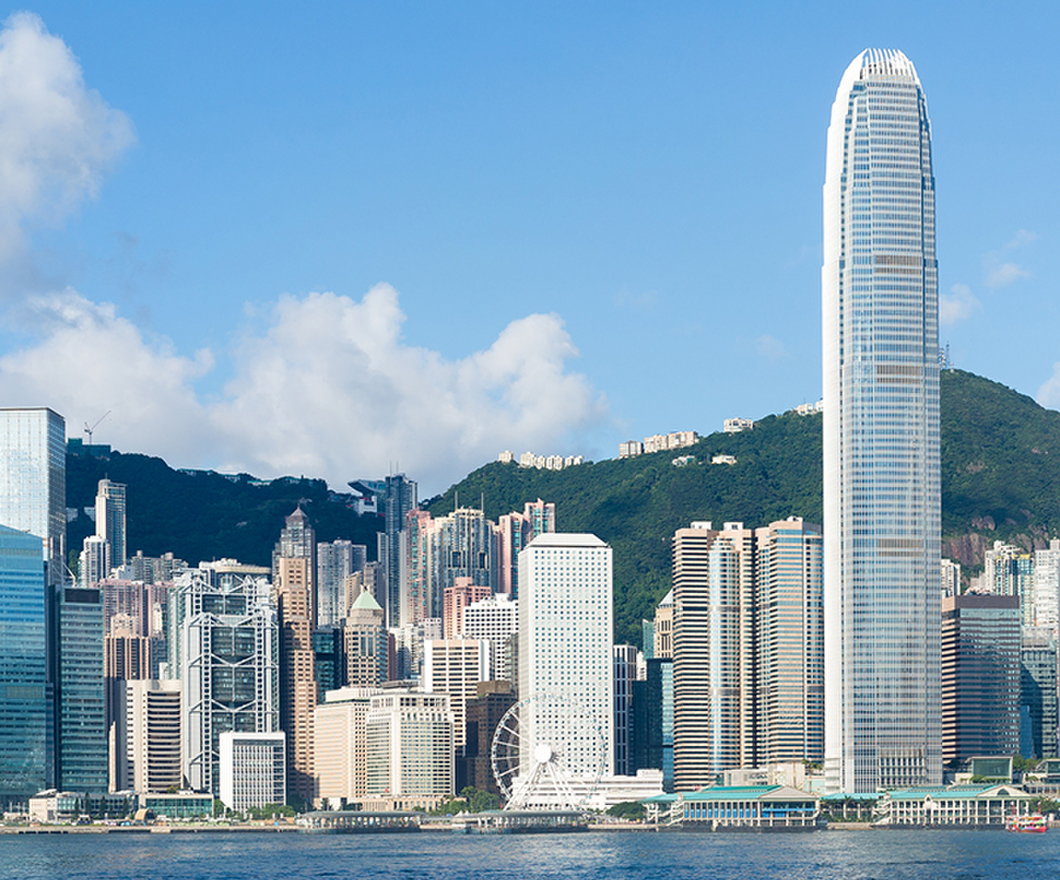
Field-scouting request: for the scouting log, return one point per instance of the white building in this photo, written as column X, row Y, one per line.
column 146, row 736
column 565, row 642
column 253, row 769
column 95, row 561
column 950, row 578
column 110, row 520
column 1047, row 588
column 736, row 425
column 495, row 620
column 410, row 750
column 881, row 433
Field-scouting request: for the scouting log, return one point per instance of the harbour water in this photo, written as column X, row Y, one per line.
column 857, row 855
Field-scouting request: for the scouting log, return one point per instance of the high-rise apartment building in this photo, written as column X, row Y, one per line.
column 789, row 643
column 950, row 578
column 881, row 432
column 980, row 676
column 565, row 643
column 110, row 520
column 336, row 561
column 514, row 531
column 26, row 733
column 94, row 561
column 33, row 480
column 1047, row 588
column 457, row 598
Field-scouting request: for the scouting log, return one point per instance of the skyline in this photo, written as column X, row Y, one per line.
column 537, row 181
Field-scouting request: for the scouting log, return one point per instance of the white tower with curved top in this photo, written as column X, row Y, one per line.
column 881, row 433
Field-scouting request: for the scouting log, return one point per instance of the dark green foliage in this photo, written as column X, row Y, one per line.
column 633, row 810
column 637, row 504
column 1000, row 460
column 204, row 515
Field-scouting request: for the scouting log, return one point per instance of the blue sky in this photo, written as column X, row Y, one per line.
column 636, row 183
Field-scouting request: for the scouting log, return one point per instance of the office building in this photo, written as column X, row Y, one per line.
column 1038, row 696
column 298, row 685
column 980, row 676
column 455, row 667
column 565, row 642
column 881, row 433
column 26, row 734
column 253, row 769
column 110, row 520
column 483, row 713
column 224, row 648
column 410, row 750
column 496, row 620
column 298, row 541
column 624, row 675
column 33, row 480
column 82, row 754
column 399, row 497
column 662, row 630
column 365, row 644
column 340, row 745
column 653, row 719
column 146, row 736
column 949, row 578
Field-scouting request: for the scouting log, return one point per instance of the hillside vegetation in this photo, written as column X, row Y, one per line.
column 1000, row 479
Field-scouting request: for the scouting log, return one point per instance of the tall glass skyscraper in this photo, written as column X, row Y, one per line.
column 881, row 432
column 33, row 479
column 24, row 691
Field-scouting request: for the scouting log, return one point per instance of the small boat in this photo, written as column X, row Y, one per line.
column 1035, row 823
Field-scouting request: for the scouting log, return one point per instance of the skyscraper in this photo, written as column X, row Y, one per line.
column 110, row 520
column 565, row 642
column 881, row 432
column 25, row 735
column 33, row 479
column 398, row 500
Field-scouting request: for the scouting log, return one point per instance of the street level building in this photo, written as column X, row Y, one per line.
column 253, row 769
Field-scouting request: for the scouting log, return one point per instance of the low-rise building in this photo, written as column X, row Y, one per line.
column 253, row 769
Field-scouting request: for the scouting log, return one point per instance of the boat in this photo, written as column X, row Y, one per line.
column 1035, row 823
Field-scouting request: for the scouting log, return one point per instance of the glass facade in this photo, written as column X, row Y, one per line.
column 82, row 708
column 881, row 432
column 23, row 673
column 33, row 479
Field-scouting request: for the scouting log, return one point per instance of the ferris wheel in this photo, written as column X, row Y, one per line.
column 548, row 752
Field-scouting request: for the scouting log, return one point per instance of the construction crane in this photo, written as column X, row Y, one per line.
column 89, row 429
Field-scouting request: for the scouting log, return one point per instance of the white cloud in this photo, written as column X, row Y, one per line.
column 957, row 305
column 56, row 137
column 1023, row 237
column 1004, row 274
column 1049, row 394
column 329, row 389
column 769, row 347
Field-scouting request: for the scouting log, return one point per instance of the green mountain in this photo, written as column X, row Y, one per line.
column 1000, row 480
column 202, row 515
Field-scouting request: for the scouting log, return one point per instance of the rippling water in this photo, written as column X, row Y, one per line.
column 854, row 855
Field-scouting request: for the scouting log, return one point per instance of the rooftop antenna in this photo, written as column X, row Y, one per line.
column 89, row 429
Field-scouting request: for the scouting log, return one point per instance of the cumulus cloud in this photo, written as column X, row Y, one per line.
column 769, row 347
column 1049, row 394
column 57, row 137
column 1004, row 274
column 329, row 389
column 957, row 305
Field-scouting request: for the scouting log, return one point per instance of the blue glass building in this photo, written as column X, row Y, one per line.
column 24, row 699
